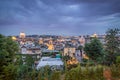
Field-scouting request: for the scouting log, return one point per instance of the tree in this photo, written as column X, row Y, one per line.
column 29, row 60
column 118, row 60
column 94, row 49
column 8, row 49
column 112, row 44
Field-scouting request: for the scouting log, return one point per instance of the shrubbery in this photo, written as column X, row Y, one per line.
column 87, row 62
column 118, row 60
column 115, row 70
column 85, row 73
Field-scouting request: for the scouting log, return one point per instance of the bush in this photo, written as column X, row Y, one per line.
column 55, row 76
column 87, row 63
column 118, row 60
column 85, row 73
column 85, row 60
column 115, row 70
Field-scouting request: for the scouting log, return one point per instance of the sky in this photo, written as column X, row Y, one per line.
column 58, row 17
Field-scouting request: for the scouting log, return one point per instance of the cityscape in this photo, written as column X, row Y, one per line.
column 60, row 40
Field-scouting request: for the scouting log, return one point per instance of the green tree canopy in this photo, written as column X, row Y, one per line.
column 8, row 49
column 94, row 49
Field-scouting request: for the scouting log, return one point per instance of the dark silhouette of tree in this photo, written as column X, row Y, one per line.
column 112, row 44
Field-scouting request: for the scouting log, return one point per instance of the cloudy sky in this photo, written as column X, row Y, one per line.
column 58, row 17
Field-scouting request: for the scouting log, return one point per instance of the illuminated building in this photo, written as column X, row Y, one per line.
column 72, row 61
column 14, row 38
column 94, row 35
column 40, row 41
column 22, row 35
column 50, row 45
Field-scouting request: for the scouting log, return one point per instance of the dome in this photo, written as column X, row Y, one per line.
column 22, row 35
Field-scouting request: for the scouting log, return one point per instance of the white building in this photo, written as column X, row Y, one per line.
column 54, row 63
column 69, row 51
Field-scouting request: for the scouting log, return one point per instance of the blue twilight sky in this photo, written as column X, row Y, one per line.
column 58, row 17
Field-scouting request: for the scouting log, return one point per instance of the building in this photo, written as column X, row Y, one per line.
column 33, row 51
column 54, row 63
column 23, row 49
column 82, row 41
column 49, row 52
column 22, row 35
column 69, row 51
column 40, row 41
column 50, row 45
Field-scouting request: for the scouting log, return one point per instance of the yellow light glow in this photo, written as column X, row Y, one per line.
column 14, row 38
column 94, row 35
column 50, row 47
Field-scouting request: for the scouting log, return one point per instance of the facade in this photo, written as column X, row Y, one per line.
column 23, row 50
column 31, row 51
column 40, row 41
column 69, row 51
column 50, row 45
column 82, row 40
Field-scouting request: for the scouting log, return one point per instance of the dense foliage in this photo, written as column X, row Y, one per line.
column 8, row 49
column 85, row 73
column 94, row 49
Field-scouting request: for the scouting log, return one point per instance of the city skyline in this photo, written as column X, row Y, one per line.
column 58, row 17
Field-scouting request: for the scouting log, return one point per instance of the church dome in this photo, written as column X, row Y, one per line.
column 22, row 35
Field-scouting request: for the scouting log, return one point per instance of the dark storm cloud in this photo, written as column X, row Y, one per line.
column 59, row 16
